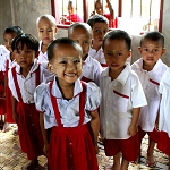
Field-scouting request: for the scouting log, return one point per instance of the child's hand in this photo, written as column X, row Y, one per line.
column 15, row 116
column 4, row 96
column 157, row 124
column 101, row 139
column 132, row 130
column 46, row 149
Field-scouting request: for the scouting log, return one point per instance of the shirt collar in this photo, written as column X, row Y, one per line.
column 122, row 78
column 88, row 61
column 78, row 88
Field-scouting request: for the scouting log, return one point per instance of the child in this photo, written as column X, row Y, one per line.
column 100, row 26
column 164, row 125
column 4, row 53
column 67, row 105
column 82, row 33
column 46, row 31
column 122, row 97
column 8, row 35
column 22, row 82
column 150, row 69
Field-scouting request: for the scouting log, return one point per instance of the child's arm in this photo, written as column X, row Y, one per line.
column 44, row 133
column 157, row 117
column 132, row 130
column 5, row 85
column 14, row 112
column 95, row 125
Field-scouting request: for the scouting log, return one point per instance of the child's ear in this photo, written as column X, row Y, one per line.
column 56, row 30
column 129, row 54
column 50, row 67
column 140, row 50
column 163, row 51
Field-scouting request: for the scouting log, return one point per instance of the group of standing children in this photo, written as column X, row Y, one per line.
column 56, row 99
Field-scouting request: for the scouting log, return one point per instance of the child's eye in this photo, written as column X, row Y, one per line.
column 63, row 62
column 50, row 30
column 119, row 54
column 41, row 31
column 85, row 42
column 97, row 31
column 76, row 61
column 28, row 51
column 146, row 50
column 155, row 50
column 109, row 54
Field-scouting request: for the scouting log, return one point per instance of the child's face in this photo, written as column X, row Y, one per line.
column 82, row 36
column 8, row 40
column 66, row 63
column 45, row 31
column 24, row 57
column 116, row 53
column 99, row 30
column 99, row 8
column 151, row 51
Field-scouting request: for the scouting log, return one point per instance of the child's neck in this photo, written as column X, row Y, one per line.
column 44, row 47
column 25, row 70
column 115, row 73
column 96, row 47
column 147, row 66
column 67, row 90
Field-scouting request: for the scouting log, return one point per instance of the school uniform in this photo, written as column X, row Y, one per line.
column 97, row 55
column 29, row 130
column 150, row 81
column 71, row 144
column 42, row 57
column 4, row 53
column 164, row 125
column 119, row 97
column 91, row 71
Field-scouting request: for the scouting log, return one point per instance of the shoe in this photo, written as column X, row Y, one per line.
column 6, row 127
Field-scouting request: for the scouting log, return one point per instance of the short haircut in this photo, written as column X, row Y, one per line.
column 97, row 19
column 118, row 35
column 49, row 17
column 71, row 3
column 23, row 38
column 63, row 41
column 80, row 25
column 153, row 36
column 13, row 30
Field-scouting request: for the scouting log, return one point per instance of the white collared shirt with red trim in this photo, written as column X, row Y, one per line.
column 69, row 109
column 42, row 57
column 97, row 55
column 150, row 81
column 92, row 70
column 4, row 55
column 164, row 89
column 119, row 97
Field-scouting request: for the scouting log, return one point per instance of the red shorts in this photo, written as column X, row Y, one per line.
column 128, row 147
column 164, row 143
column 154, row 135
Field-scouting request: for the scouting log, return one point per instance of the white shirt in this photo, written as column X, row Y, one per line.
column 164, row 119
column 27, row 84
column 42, row 57
column 69, row 109
column 4, row 55
column 92, row 70
column 97, row 55
column 119, row 97
column 150, row 81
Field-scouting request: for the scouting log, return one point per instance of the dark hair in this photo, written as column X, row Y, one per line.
column 62, row 41
column 30, row 41
column 153, row 36
column 118, row 35
column 97, row 19
column 80, row 25
column 96, row 1
column 13, row 29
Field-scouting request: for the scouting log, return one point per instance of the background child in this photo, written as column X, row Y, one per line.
column 46, row 31
column 100, row 26
column 122, row 97
column 8, row 35
column 164, row 117
column 67, row 105
column 22, row 82
column 150, row 69
column 82, row 33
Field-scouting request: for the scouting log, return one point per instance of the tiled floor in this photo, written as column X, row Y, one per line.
column 12, row 159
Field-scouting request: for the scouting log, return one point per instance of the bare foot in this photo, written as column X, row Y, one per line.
column 150, row 161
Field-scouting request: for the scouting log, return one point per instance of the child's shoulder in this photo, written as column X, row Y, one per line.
column 138, row 64
column 42, row 88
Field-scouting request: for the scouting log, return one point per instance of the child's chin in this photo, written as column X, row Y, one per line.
column 71, row 80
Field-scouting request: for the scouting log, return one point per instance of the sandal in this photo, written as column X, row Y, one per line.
column 149, row 163
column 6, row 127
column 33, row 165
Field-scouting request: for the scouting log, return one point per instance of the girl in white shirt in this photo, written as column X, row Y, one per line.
column 67, row 106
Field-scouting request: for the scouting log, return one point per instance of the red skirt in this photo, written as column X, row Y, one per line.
column 9, row 105
column 72, row 148
column 2, row 101
column 164, row 143
column 29, row 130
